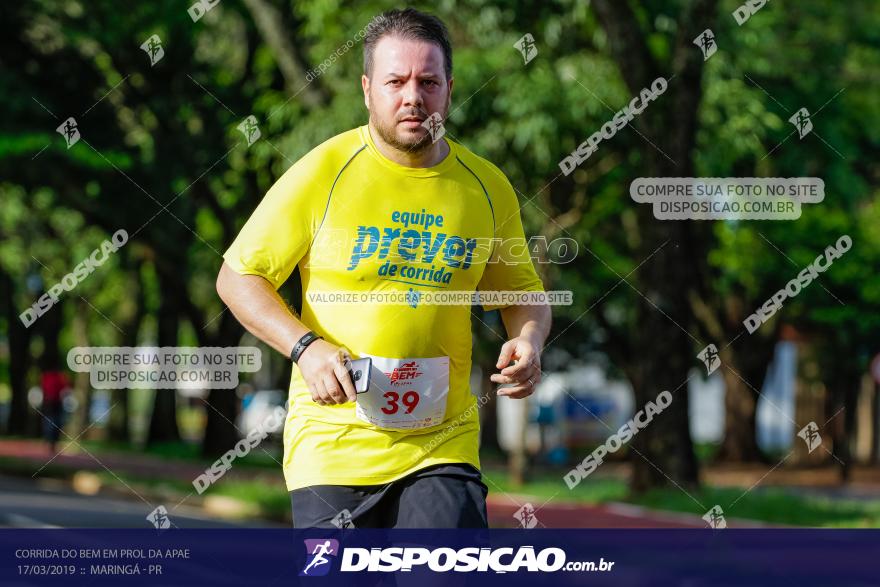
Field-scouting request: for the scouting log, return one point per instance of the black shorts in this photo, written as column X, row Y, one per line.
column 440, row 496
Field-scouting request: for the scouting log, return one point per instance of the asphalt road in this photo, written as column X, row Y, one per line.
column 42, row 503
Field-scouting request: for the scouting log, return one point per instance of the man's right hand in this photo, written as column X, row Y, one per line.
column 324, row 367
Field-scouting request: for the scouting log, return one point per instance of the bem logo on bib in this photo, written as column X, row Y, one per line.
column 405, row 373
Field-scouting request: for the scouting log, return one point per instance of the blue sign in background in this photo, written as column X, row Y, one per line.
column 276, row 557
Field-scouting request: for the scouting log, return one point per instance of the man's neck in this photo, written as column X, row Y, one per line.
column 430, row 157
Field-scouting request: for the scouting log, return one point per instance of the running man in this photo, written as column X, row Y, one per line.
column 381, row 209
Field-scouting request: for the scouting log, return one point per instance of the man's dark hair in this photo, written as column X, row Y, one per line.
column 411, row 24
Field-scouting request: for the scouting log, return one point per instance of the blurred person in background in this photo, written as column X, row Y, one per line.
column 55, row 385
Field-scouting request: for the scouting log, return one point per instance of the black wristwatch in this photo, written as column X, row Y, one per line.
column 300, row 346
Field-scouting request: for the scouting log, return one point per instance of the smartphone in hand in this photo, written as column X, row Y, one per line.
column 359, row 371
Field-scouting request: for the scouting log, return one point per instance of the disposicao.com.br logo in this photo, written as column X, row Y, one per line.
column 442, row 559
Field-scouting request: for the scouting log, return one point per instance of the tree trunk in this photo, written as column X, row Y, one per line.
column 517, row 462
column 743, row 371
column 49, row 326
column 119, row 423
column 842, row 375
column 82, row 389
column 845, row 391
column 740, row 444
column 221, row 407
column 662, row 452
column 272, row 24
column 875, row 425
column 221, row 434
column 489, row 413
column 674, row 252
column 119, row 428
column 19, row 360
column 163, row 422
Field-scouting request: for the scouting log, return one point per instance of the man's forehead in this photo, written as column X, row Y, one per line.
column 398, row 55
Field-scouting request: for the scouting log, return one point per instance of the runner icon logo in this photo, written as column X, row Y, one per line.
column 434, row 124
column 526, row 46
column 706, row 42
column 250, row 129
column 153, row 48
column 801, row 121
column 159, row 518
column 710, row 358
column 70, row 131
column 526, row 516
column 343, row 520
column 810, row 435
column 715, row 518
column 318, row 560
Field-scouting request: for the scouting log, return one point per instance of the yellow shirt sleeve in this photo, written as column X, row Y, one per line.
column 282, row 228
column 510, row 266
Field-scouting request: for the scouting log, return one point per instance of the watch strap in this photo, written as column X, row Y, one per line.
column 300, row 346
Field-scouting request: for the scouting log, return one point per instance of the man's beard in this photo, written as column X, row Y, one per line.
column 413, row 141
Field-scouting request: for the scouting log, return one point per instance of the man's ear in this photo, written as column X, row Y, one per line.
column 365, row 85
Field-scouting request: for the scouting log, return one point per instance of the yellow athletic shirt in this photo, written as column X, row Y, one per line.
column 345, row 215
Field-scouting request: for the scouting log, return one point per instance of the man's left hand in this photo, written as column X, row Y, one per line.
column 525, row 374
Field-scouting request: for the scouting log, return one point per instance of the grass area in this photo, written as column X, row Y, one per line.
column 22, row 468
column 190, row 452
column 551, row 486
column 774, row 506
column 271, row 499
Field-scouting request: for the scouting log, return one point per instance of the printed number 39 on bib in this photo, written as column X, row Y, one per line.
column 409, row 399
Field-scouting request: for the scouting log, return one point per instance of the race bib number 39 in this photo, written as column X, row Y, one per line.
column 405, row 393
